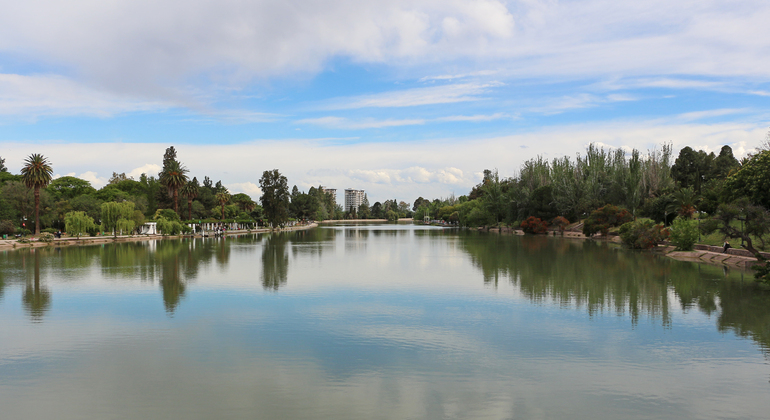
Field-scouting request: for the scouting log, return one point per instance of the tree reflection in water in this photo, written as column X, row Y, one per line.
column 36, row 299
column 600, row 277
column 275, row 261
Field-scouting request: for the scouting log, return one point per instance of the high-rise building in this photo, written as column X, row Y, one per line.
column 332, row 192
column 353, row 198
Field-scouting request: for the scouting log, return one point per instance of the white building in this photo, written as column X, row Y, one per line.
column 353, row 198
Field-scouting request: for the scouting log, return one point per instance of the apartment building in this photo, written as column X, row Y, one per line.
column 353, row 198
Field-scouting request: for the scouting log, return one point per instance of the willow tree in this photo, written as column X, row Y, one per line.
column 190, row 191
column 117, row 216
column 36, row 174
column 77, row 223
column 174, row 177
column 222, row 198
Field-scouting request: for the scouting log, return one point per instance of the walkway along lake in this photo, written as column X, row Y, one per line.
column 378, row 322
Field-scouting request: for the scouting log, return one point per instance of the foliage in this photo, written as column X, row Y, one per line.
column 642, row 233
column 174, row 177
column 684, row 203
column 169, row 227
column 117, row 217
column 46, row 237
column 741, row 220
column 392, row 216
column 533, row 225
column 761, row 270
column 684, row 233
column 222, row 198
column 752, row 181
column 168, row 214
column 603, row 219
column 7, row 227
column 36, row 174
column 78, row 223
column 560, row 223
column 69, row 187
column 275, row 197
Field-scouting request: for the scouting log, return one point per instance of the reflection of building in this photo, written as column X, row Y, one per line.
column 332, row 192
column 353, row 198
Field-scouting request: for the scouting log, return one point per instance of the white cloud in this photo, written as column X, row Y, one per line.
column 445, row 94
column 344, row 123
column 428, row 168
column 33, row 96
column 249, row 188
column 151, row 169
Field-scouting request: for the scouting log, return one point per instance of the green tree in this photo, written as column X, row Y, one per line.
column 684, row 203
column 684, row 233
column 117, row 216
column 174, row 177
column 752, row 181
column 190, row 191
column 364, row 212
column 222, row 198
column 36, row 174
column 275, row 197
column 69, row 187
column 244, row 202
column 77, row 223
column 741, row 220
column 2, row 165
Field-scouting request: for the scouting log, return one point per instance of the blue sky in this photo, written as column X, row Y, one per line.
column 400, row 98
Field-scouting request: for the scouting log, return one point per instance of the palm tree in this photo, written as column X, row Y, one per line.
column 190, row 191
column 174, row 177
column 36, row 173
column 685, row 201
column 222, row 198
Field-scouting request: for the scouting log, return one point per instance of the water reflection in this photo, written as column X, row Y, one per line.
column 275, row 261
column 600, row 278
column 36, row 298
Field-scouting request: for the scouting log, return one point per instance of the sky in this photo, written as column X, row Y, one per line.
column 398, row 98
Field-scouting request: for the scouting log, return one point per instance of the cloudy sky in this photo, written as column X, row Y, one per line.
column 400, row 98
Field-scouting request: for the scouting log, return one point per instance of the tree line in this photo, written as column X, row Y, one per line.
column 33, row 201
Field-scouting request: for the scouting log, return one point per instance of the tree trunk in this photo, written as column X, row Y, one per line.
column 223, row 211
column 189, row 208
column 37, row 211
column 176, row 201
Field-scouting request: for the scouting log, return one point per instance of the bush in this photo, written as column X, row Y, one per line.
column 560, row 222
column 7, row 227
column 46, row 237
column 23, row 231
column 49, row 230
column 684, row 233
column 642, row 234
column 391, row 216
column 533, row 225
column 601, row 220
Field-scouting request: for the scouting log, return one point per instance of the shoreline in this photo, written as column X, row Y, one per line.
column 13, row 244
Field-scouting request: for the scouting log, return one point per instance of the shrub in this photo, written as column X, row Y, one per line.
column 391, row 216
column 23, row 231
column 642, row 234
column 601, row 220
column 49, row 230
column 533, row 225
column 684, row 233
column 560, row 222
column 46, row 237
column 7, row 227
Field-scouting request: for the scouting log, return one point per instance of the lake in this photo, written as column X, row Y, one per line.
column 378, row 322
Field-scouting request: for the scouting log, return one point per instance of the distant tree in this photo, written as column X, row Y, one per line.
column 601, row 220
column 244, row 202
column 725, row 164
column 2, row 165
column 275, row 197
column 752, row 180
column 77, row 223
column 741, row 220
column 363, row 209
column 222, row 198
column 684, row 203
column 174, row 177
column 36, row 173
column 69, row 187
column 190, row 191
column 117, row 217
column 118, row 177
column 377, row 212
column 419, row 203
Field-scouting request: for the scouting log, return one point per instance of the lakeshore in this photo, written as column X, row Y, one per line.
column 6, row 244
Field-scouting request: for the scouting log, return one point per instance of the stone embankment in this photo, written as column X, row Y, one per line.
column 92, row 240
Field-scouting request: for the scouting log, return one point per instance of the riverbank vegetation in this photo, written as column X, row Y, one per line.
column 606, row 191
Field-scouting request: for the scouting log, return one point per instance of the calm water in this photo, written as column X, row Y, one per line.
column 377, row 322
